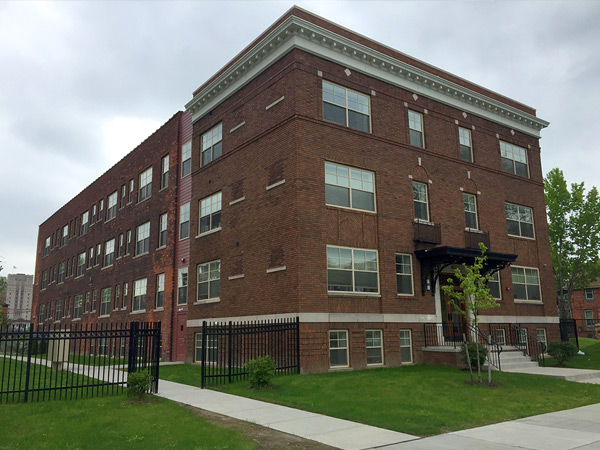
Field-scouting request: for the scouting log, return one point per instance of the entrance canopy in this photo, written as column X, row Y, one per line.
column 435, row 260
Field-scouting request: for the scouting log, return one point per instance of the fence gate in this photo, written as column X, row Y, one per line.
column 54, row 362
column 227, row 347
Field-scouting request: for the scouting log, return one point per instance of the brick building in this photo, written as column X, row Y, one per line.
column 334, row 179
column 585, row 308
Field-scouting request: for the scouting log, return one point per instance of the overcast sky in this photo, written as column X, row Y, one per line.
column 83, row 83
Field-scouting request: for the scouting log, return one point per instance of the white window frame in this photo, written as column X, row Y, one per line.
column 589, row 321
column 47, row 246
column 465, row 142
column 372, row 340
column 145, row 185
column 109, row 253
column 467, row 204
column 415, row 124
column 160, row 289
column 500, row 332
column 586, row 296
column 347, row 93
column 212, row 348
column 353, row 270
column 343, row 348
column 517, row 300
column 519, row 221
column 210, row 207
column 65, row 235
column 85, row 218
column 77, row 306
column 514, row 154
column 81, row 260
column 131, row 188
column 544, row 340
column 182, row 285
column 105, row 299
column 186, row 159
column 209, row 142
column 140, row 289
column 426, row 202
column 404, row 274
column 212, row 269
column 410, row 346
column 184, row 221
column 496, row 274
column 164, row 173
column 142, row 235
column 162, row 230
column 336, row 175
column 111, row 209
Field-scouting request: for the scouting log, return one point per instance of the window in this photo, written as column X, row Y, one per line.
column 186, row 159
column 100, row 209
column 139, row 295
column 346, row 107
column 209, row 280
column 61, row 272
column 77, row 306
column 526, row 283
column 211, row 348
column 352, row 270
column 338, row 348
column 501, row 336
column 464, row 139
column 349, row 187
column 184, row 221
column 47, row 246
column 470, row 202
column 98, row 253
column 105, row 302
column 514, row 159
column 589, row 294
column 130, row 199
column 541, row 335
column 588, row 315
column 111, row 210
column 182, row 283
column 406, row 346
column 210, row 213
column 125, row 292
column 142, row 239
column 128, row 242
column 81, row 264
column 87, row 303
column 94, row 300
column 160, row 290
column 121, row 240
column 93, row 216
column 164, row 176
column 162, row 230
column 109, row 252
column 415, row 129
column 65, row 235
column 374, row 344
column 519, row 220
column 85, row 217
column 212, row 144
column 42, row 313
column 91, row 257
column 404, row 279
column 145, row 185
column 44, row 279
column 117, row 296
column 494, row 286
column 522, row 338
column 420, row 201
column 58, row 312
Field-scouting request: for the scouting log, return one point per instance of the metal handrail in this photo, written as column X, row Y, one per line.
column 535, row 351
column 494, row 349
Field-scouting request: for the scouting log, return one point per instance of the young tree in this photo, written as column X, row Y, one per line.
column 474, row 294
column 574, row 228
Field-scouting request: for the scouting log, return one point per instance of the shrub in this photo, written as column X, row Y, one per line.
column 138, row 383
column 260, row 371
column 562, row 351
column 473, row 354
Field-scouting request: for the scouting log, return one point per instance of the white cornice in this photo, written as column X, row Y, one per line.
column 299, row 33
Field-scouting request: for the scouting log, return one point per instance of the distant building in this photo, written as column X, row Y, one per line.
column 19, row 293
column 585, row 308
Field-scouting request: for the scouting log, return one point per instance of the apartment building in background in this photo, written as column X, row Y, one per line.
column 318, row 175
column 19, row 297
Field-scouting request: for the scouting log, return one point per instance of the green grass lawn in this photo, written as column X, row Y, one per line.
column 591, row 359
column 97, row 360
column 111, row 423
column 420, row 400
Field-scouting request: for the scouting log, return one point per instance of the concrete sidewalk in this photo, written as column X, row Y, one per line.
column 565, row 373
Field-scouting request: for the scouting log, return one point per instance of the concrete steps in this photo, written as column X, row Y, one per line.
column 513, row 359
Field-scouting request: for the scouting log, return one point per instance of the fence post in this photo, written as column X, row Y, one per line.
column 298, row 344
column 156, row 358
column 229, row 348
column 133, row 341
column 29, row 348
column 203, row 356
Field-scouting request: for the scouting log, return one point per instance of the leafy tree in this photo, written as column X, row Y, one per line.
column 574, row 228
column 562, row 351
column 474, row 294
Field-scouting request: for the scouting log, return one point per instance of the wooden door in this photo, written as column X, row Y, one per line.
column 181, row 337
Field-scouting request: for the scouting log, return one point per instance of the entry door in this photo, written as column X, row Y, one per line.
column 454, row 321
column 181, row 339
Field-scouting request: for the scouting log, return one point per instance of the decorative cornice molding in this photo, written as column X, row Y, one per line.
column 299, row 33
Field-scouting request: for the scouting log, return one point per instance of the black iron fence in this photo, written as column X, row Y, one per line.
column 54, row 362
column 514, row 335
column 571, row 328
column 225, row 348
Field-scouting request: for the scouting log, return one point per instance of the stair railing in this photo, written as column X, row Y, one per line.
column 527, row 342
column 494, row 349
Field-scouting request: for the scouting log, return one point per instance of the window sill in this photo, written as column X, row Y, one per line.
column 349, row 208
column 276, row 269
column 522, row 237
column 424, row 222
column 206, row 233
column 142, row 201
column 529, row 302
column 78, row 276
column 141, row 254
column 107, row 267
column 139, row 311
column 209, row 300
column 183, row 238
column 237, row 200
column 406, row 295
column 164, row 188
column 104, row 316
column 473, row 230
column 162, row 247
column 353, row 294
column 76, row 320
column 158, row 309
column 124, row 308
column 274, row 185
column 108, row 220
column 236, row 277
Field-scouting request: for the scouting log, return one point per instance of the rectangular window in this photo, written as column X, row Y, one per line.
column 81, row 264
column 91, row 257
column 121, row 242
column 526, row 283
column 47, row 246
column 44, row 279
column 588, row 315
column 85, row 218
column 186, row 159
column 58, row 312
column 105, row 301
column 184, row 221
column 210, row 213
column 94, row 300
column 501, row 336
column 470, row 202
column 541, row 335
column 346, row 107
column 494, row 286
column 123, row 195
column 211, row 348
column 466, row 149
column 589, row 294
column 117, row 296
column 352, row 270
column 128, row 246
column 125, row 293
column 349, row 187
column 514, row 159
column 404, row 279
column 77, row 306
column 406, row 346
column 519, row 220
column 98, row 253
column 209, row 280
column 145, row 185
column 111, row 210
column 338, row 348
column 100, row 209
column 109, row 253
column 93, row 216
column 182, row 283
column 42, row 313
column 61, row 272
column 162, row 230
column 139, row 295
column 164, row 176
column 87, row 303
column 160, row 290
column 374, row 344
column 420, row 201
column 142, row 244
column 212, row 144
column 415, row 129
column 65, row 235
column 130, row 199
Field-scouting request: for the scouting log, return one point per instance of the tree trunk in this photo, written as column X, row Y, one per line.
column 468, row 356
